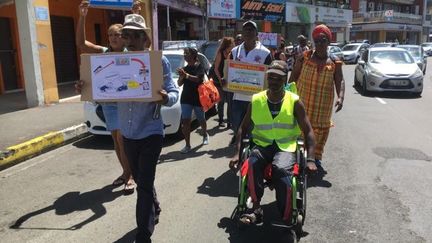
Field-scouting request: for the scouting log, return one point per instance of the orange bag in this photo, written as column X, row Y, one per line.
column 208, row 94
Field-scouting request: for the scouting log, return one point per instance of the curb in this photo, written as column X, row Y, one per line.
column 38, row 145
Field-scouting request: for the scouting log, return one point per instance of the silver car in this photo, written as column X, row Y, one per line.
column 388, row 69
column 352, row 52
column 418, row 54
column 336, row 51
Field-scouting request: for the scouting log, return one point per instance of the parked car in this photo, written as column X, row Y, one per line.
column 336, row 51
column 427, row 47
column 352, row 52
column 384, row 44
column 209, row 49
column 388, row 69
column 171, row 116
column 418, row 54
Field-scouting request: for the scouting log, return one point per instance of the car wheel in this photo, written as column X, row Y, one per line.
column 365, row 92
column 356, row 82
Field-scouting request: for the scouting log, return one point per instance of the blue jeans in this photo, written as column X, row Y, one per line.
column 239, row 109
column 143, row 155
column 226, row 97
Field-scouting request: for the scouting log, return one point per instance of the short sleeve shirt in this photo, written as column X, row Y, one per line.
column 190, row 89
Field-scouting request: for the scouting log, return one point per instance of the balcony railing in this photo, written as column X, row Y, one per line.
column 380, row 16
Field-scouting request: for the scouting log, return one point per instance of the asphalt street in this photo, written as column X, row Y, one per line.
column 377, row 186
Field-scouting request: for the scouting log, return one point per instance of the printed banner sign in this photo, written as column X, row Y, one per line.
column 245, row 77
column 121, row 77
column 300, row 13
column 222, row 9
column 268, row 39
column 269, row 10
column 111, row 4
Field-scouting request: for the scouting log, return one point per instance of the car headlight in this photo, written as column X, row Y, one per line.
column 376, row 73
column 418, row 74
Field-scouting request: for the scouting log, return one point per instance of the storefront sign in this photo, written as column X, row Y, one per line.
column 222, row 9
column 121, row 77
column 245, row 77
column 334, row 16
column 299, row 13
column 269, row 10
column 111, row 3
column 268, row 39
column 387, row 27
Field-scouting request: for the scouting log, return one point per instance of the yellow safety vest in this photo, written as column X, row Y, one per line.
column 283, row 129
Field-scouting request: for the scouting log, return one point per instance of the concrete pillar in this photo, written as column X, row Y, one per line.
column 382, row 36
column 30, row 53
column 34, row 28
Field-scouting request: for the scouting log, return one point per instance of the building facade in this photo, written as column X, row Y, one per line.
column 388, row 21
column 38, row 50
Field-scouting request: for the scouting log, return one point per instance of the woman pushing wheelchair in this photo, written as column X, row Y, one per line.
column 275, row 119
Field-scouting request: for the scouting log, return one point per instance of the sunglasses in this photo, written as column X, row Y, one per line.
column 321, row 41
column 130, row 34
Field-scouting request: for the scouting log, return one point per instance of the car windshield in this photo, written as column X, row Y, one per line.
column 350, row 47
column 391, row 57
column 176, row 61
column 414, row 51
column 382, row 45
column 210, row 51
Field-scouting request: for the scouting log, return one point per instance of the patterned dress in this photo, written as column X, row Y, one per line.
column 316, row 89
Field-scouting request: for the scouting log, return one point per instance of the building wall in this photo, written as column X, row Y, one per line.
column 57, row 8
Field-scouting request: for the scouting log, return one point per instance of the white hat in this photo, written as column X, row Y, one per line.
column 136, row 22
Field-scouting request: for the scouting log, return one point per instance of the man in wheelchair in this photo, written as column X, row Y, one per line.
column 273, row 119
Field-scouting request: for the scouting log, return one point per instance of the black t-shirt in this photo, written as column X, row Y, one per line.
column 190, row 89
column 274, row 108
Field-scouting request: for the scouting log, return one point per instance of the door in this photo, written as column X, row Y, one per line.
column 7, row 57
column 65, row 55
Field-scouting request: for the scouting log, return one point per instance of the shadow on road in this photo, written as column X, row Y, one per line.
column 72, row 202
column 98, row 142
column 225, row 185
column 267, row 233
column 317, row 180
column 129, row 237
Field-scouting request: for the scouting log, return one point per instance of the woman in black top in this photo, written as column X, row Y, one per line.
column 191, row 77
column 222, row 53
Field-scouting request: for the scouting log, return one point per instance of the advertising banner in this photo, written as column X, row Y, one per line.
column 268, row 39
column 245, row 77
column 269, row 10
column 112, row 4
column 300, row 13
column 222, row 9
column 334, row 16
column 129, row 76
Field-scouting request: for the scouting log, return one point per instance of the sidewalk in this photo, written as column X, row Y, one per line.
column 29, row 132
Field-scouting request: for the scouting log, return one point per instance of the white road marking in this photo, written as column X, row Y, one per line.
column 381, row 101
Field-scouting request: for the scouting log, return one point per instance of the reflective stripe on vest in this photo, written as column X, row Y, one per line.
column 283, row 129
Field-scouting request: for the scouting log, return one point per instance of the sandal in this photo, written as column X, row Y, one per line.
column 119, row 181
column 253, row 218
column 129, row 188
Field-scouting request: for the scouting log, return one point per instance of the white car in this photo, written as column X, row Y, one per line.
column 171, row 116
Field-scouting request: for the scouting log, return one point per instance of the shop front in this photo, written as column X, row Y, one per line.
column 387, row 32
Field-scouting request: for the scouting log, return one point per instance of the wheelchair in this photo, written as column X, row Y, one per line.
column 298, row 184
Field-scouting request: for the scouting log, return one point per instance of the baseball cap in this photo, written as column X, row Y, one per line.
column 278, row 67
column 250, row 22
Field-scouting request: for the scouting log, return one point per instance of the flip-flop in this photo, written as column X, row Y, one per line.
column 119, row 181
column 129, row 188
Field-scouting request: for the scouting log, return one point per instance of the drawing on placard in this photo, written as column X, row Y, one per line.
column 121, row 76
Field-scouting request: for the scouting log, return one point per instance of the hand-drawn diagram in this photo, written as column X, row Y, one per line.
column 121, row 76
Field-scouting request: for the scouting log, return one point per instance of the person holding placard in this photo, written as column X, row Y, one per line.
column 250, row 51
column 109, row 109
